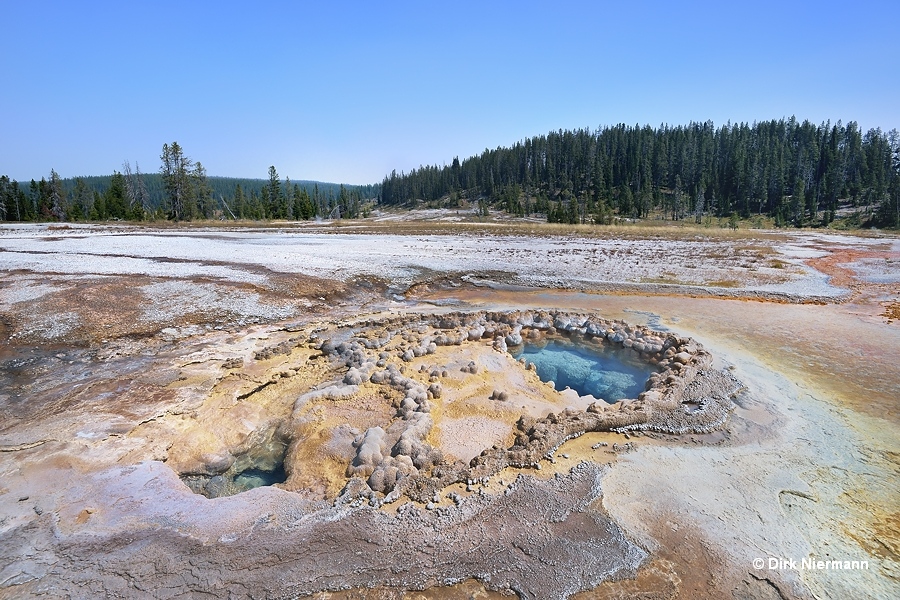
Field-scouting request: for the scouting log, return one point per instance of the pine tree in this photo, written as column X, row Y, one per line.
column 354, row 204
column 202, row 192
column 82, row 201
column 343, row 203
column 12, row 199
column 265, row 206
column 98, row 208
column 797, row 203
column 115, row 198
column 176, row 172
column 57, row 197
column 4, row 184
column 136, row 191
column 42, row 200
column 239, row 204
column 303, row 206
column 288, row 195
column 274, row 198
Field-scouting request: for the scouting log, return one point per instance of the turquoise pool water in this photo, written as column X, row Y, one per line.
column 606, row 374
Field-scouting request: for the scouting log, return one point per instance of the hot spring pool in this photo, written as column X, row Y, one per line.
column 606, row 374
column 263, row 465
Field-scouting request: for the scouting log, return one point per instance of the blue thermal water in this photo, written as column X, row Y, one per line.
column 253, row 478
column 605, row 374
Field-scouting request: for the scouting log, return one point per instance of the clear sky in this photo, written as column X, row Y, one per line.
column 348, row 91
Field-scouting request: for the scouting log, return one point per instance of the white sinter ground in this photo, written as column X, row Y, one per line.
column 580, row 263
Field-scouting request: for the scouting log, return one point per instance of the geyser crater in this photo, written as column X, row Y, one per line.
column 393, row 409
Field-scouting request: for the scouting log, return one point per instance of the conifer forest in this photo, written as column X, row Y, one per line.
column 794, row 173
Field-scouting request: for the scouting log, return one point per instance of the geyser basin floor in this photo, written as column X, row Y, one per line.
column 366, row 408
column 603, row 373
column 808, row 467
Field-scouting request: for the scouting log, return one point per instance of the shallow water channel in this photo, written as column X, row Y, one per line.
column 604, row 373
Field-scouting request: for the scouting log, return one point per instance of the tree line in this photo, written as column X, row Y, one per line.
column 181, row 190
column 797, row 173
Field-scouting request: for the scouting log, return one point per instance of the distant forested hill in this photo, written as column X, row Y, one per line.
column 190, row 194
column 798, row 173
column 224, row 187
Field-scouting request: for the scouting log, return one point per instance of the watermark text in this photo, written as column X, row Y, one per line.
column 775, row 563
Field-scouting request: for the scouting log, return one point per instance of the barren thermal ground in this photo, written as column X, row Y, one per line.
column 442, row 410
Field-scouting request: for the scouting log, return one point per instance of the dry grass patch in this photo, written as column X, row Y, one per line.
column 723, row 283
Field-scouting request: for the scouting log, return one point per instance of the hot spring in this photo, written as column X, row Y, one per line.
column 605, row 373
column 262, row 465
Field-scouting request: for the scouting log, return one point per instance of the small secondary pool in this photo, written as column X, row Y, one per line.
column 606, row 374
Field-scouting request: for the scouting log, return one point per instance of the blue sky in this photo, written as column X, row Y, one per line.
column 349, row 91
